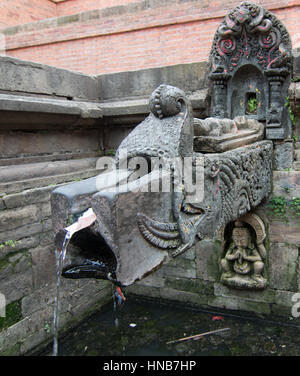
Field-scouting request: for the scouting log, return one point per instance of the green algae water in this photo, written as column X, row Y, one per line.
column 145, row 327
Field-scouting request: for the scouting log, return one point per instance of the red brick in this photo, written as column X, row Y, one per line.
column 157, row 36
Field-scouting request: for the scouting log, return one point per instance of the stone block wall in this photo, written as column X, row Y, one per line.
column 50, row 134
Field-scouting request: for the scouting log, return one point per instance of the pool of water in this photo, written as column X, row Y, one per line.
column 144, row 328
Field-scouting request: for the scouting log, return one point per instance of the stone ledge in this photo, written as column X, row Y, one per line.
column 17, row 187
column 21, row 76
column 18, row 103
column 141, row 106
column 43, row 169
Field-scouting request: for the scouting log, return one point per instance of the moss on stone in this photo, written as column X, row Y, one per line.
column 13, row 315
column 10, row 260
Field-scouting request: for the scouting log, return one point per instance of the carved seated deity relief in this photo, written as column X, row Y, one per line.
column 243, row 259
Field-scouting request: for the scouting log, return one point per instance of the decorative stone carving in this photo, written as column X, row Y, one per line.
column 243, row 260
column 218, row 135
column 251, row 59
column 234, row 183
column 144, row 229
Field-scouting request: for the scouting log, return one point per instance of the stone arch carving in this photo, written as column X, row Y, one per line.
column 254, row 37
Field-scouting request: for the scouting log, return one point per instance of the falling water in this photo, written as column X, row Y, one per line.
column 60, row 257
column 85, row 220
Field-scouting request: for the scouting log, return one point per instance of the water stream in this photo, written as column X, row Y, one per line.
column 87, row 218
column 60, row 258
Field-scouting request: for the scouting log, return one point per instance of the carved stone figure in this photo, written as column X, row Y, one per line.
column 251, row 60
column 218, row 135
column 243, row 260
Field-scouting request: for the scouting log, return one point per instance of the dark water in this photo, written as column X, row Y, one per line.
column 154, row 324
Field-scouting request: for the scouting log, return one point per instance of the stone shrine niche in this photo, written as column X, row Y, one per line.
column 243, row 258
column 250, row 69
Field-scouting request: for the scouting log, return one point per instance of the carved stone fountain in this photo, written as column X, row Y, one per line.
column 146, row 212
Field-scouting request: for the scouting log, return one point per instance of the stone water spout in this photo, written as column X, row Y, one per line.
column 176, row 179
column 137, row 229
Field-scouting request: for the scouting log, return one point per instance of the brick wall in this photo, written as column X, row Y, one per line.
column 22, row 11
column 69, row 7
column 132, row 36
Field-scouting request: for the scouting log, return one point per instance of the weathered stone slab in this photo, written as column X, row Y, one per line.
column 265, row 296
column 10, row 336
column 281, row 232
column 190, row 285
column 54, row 156
column 283, row 156
column 21, row 232
column 25, row 76
column 235, row 303
column 52, row 144
column 18, row 103
column 286, row 183
column 34, row 340
column 43, row 266
column 31, row 196
column 189, row 77
column 47, row 238
column 284, row 304
column 44, row 169
column 177, row 271
column 183, row 296
column 283, row 266
column 17, row 245
column 10, row 219
column 13, row 187
column 207, row 260
column 16, row 277
column 137, row 289
column 152, row 280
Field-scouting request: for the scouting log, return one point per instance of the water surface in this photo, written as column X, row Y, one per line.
column 144, row 327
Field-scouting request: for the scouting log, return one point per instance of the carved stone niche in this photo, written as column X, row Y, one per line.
column 243, row 253
column 250, row 68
